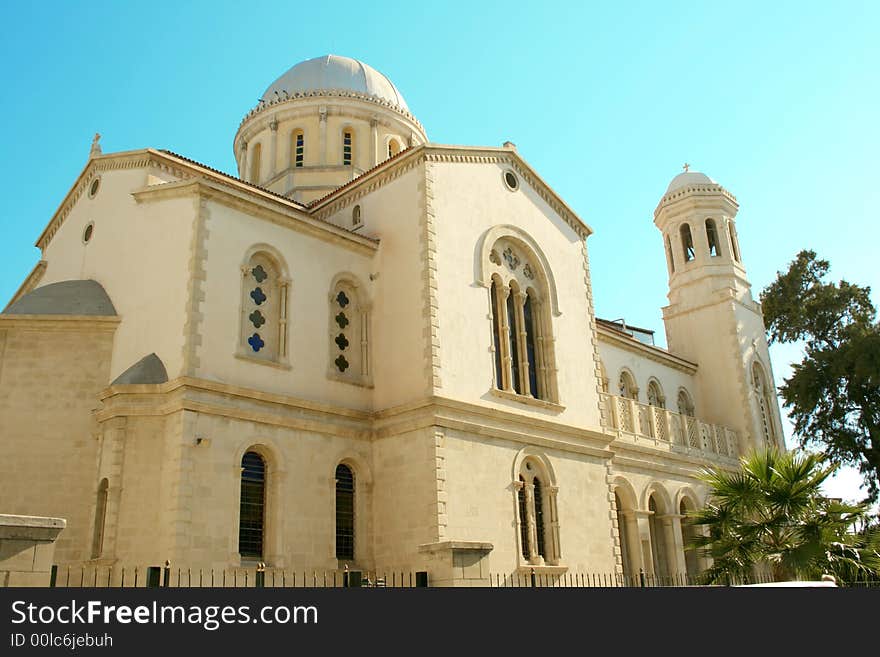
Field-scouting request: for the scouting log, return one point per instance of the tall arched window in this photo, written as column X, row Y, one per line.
column 536, row 504
column 349, row 332
column 764, row 400
column 655, row 395
column 687, row 242
column 685, row 403
column 626, row 385
column 734, row 243
column 393, row 147
column 264, row 309
column 100, row 519
column 251, row 524
column 712, row 237
column 669, row 257
column 521, row 338
column 299, row 147
column 347, row 146
column 256, row 157
column 344, row 513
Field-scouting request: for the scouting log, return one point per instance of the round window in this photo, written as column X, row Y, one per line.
column 511, row 181
column 87, row 233
column 93, row 188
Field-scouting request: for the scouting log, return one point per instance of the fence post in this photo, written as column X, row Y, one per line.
column 642, row 582
column 53, row 575
column 167, row 582
column 534, row 579
column 260, row 577
column 345, row 577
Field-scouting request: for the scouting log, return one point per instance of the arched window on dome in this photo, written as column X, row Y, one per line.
column 669, row 257
column 712, row 237
column 256, row 157
column 251, row 523
column 764, row 400
column 687, row 242
column 521, row 336
column 263, row 309
column 298, row 148
column 349, row 323
column 393, row 147
column 734, row 243
column 347, row 146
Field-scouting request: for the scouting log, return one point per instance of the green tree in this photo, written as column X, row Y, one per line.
column 771, row 512
column 833, row 394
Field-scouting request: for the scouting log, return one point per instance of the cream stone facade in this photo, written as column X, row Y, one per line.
column 367, row 350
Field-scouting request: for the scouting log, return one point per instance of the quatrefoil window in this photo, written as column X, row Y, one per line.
column 511, row 258
column 341, row 299
column 258, row 295
column 342, row 320
column 341, row 363
column 341, row 341
column 257, row 318
column 528, row 273
column 256, row 342
column 259, row 273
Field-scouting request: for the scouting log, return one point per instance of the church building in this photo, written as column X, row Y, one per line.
column 368, row 350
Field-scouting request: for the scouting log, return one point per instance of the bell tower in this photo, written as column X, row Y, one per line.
column 712, row 318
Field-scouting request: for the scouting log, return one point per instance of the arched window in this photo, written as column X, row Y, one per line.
column 626, row 385
column 299, row 148
column 264, row 309
column 765, row 401
column 688, row 534
column 393, row 147
column 356, row 216
column 712, row 237
column 687, row 242
column 655, row 395
column 536, row 505
column 685, row 404
column 347, row 146
column 734, row 243
column 669, row 257
column 251, row 524
column 521, row 340
column 100, row 519
column 344, row 513
column 623, row 535
column 603, row 377
column 256, row 157
column 349, row 332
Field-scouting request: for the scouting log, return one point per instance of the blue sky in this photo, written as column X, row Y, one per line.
column 776, row 101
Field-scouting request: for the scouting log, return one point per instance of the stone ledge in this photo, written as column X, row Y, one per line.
column 456, row 545
column 33, row 528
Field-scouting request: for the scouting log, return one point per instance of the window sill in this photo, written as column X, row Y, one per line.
column 363, row 383
column 527, row 400
column 281, row 365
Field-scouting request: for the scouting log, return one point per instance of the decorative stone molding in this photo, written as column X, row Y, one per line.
column 430, row 304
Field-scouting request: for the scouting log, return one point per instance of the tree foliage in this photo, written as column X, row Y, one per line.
column 833, row 394
column 772, row 512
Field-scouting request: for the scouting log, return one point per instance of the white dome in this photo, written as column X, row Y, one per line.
column 332, row 72
column 689, row 178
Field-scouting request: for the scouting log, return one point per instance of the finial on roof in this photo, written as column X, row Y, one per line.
column 686, row 166
column 509, row 144
column 96, row 146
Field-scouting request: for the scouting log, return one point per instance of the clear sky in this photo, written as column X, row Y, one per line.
column 776, row 101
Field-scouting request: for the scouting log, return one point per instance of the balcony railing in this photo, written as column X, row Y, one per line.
column 632, row 417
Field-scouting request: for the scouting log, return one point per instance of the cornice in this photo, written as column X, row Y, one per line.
column 694, row 190
column 264, row 106
column 60, row 322
column 653, row 353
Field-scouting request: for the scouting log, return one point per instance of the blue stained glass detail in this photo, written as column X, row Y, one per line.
column 258, row 295
column 256, row 342
column 259, row 273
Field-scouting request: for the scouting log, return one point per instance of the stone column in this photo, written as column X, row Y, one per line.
column 643, row 525
column 671, row 524
column 374, row 142
column 534, row 557
column 555, row 552
column 322, row 135
column 633, row 542
column 242, row 160
column 506, row 334
column 519, row 334
column 273, row 149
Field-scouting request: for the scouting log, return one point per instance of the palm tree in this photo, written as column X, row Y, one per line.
column 771, row 511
